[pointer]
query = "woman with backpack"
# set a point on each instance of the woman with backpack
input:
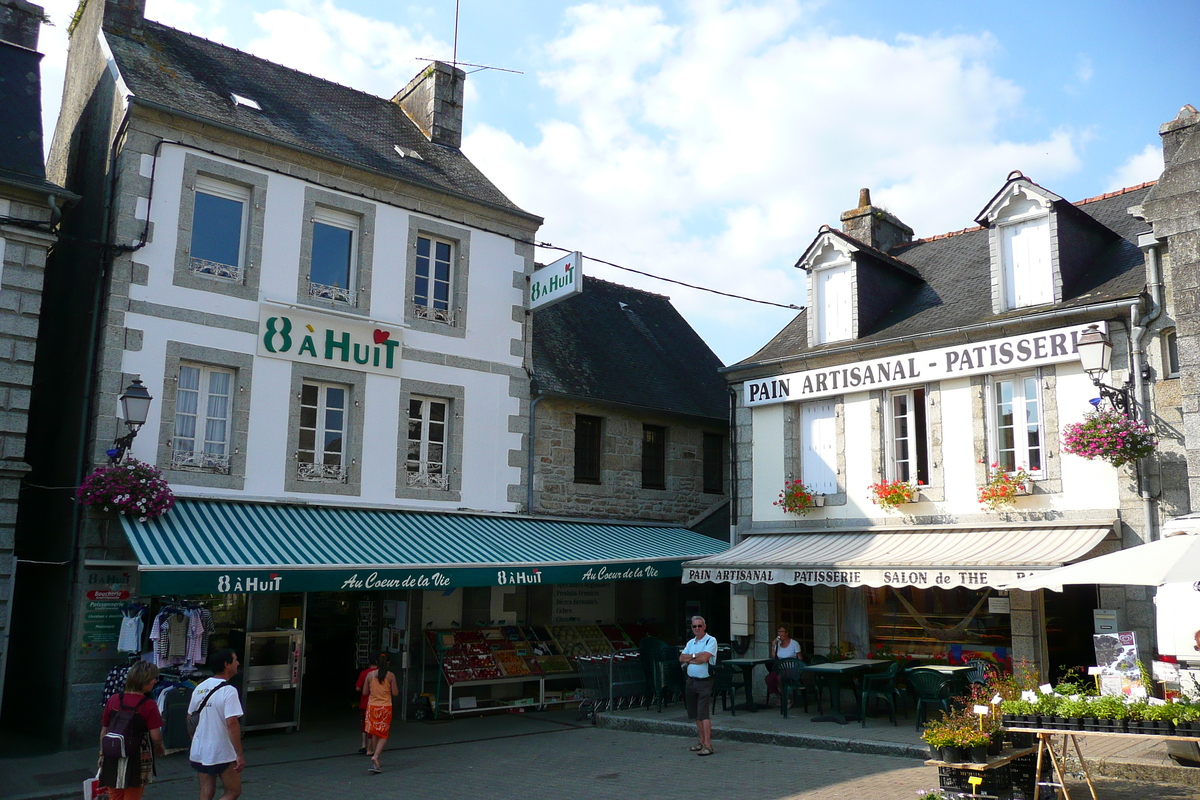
(380, 687)
(130, 735)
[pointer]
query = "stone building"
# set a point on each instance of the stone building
(948, 365)
(631, 416)
(30, 207)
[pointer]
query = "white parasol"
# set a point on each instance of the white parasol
(1175, 558)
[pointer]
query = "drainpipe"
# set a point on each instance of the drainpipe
(1141, 390)
(733, 468)
(535, 398)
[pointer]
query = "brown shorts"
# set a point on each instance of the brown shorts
(697, 697)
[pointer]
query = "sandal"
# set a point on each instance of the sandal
(705, 751)
(696, 748)
(374, 770)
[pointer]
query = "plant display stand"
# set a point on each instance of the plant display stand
(997, 774)
(1045, 747)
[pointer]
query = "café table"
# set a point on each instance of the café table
(747, 665)
(837, 673)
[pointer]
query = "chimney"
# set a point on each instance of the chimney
(873, 226)
(1174, 132)
(434, 101)
(124, 14)
(20, 23)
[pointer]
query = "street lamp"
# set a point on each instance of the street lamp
(1095, 354)
(135, 408)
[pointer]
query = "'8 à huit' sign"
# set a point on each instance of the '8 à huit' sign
(313, 338)
(907, 369)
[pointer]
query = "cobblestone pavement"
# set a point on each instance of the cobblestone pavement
(574, 762)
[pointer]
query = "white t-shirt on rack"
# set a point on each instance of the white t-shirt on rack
(211, 744)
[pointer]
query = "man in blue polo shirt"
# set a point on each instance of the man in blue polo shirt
(697, 658)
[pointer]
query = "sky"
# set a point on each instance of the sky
(707, 141)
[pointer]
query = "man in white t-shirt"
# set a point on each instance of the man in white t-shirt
(698, 657)
(217, 743)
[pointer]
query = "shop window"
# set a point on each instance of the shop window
(331, 273)
(432, 289)
(818, 446)
(203, 412)
(1016, 424)
(654, 457)
(587, 448)
(220, 214)
(895, 628)
(425, 466)
(714, 463)
(321, 454)
(1170, 353)
(907, 437)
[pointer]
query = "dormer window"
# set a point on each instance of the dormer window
(1023, 224)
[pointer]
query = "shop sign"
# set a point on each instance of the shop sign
(183, 581)
(995, 355)
(556, 282)
(584, 602)
(108, 592)
(314, 338)
(920, 577)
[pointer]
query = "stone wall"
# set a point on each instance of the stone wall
(23, 253)
(620, 495)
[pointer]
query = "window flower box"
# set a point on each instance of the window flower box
(796, 498)
(1002, 487)
(892, 494)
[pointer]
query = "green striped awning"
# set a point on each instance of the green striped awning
(206, 547)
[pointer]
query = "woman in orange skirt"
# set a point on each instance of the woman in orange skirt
(379, 687)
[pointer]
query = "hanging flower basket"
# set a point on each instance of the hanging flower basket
(891, 494)
(1002, 488)
(132, 487)
(1110, 436)
(796, 498)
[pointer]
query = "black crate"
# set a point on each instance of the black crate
(996, 782)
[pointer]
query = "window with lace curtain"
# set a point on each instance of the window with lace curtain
(203, 410)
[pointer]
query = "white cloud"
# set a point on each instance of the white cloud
(711, 149)
(324, 39)
(1138, 168)
(1083, 68)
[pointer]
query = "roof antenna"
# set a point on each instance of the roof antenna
(454, 62)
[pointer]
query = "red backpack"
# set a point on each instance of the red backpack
(126, 728)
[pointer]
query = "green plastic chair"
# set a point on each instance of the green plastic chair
(932, 689)
(792, 681)
(727, 680)
(881, 686)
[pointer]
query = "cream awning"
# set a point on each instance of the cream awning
(943, 556)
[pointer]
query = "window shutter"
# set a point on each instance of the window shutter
(818, 443)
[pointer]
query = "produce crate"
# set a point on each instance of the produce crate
(997, 782)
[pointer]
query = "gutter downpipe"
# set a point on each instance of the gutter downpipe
(1140, 325)
(536, 397)
(733, 468)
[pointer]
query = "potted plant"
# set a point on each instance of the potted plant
(892, 494)
(1110, 436)
(1002, 487)
(131, 487)
(1187, 721)
(1072, 710)
(1046, 708)
(1161, 719)
(796, 498)
(976, 743)
(937, 735)
(1111, 713)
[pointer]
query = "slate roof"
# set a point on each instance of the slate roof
(21, 119)
(956, 288)
(621, 345)
(196, 76)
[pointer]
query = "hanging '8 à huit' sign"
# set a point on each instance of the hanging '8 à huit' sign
(333, 341)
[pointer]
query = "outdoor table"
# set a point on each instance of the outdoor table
(836, 672)
(870, 662)
(1044, 748)
(747, 665)
(957, 674)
